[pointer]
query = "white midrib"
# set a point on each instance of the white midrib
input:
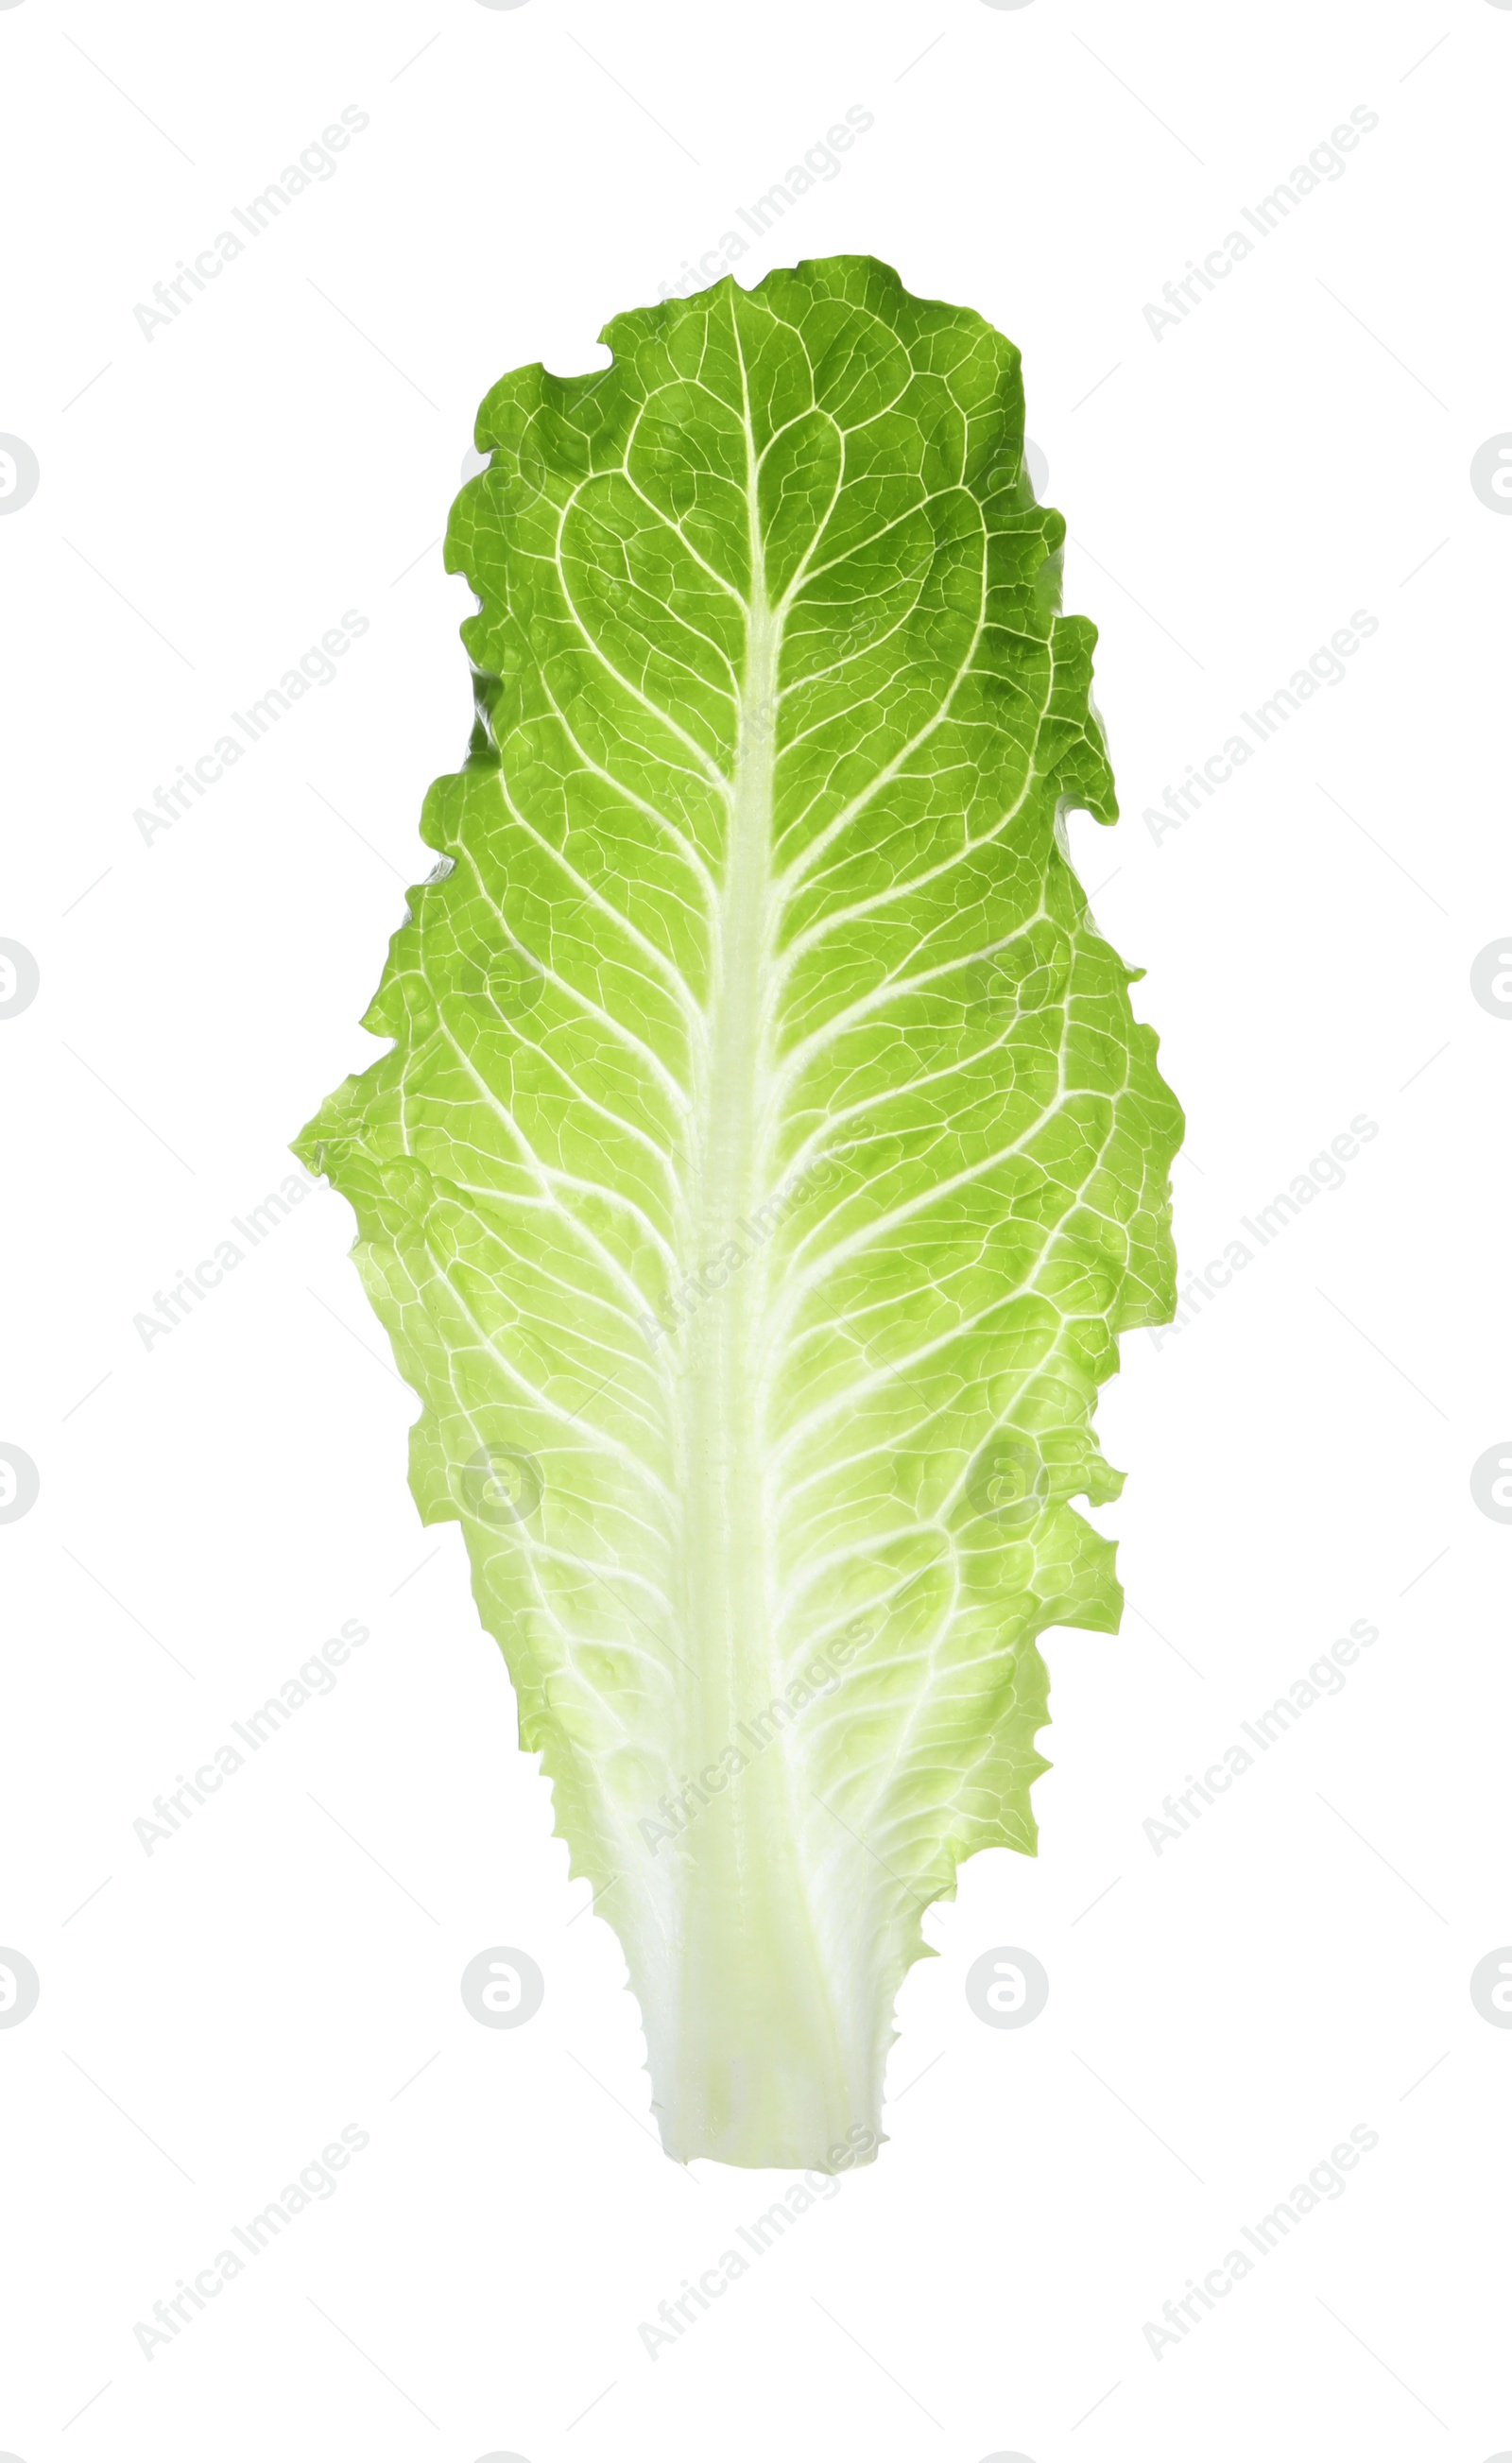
(728, 1540)
(730, 1642)
(758, 2061)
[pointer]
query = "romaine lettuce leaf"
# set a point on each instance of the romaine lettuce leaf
(768, 1157)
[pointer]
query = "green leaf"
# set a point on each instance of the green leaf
(768, 1157)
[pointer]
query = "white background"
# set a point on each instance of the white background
(1220, 2014)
